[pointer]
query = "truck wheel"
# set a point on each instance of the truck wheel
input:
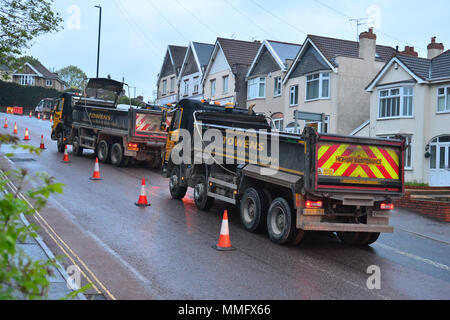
(60, 142)
(368, 238)
(103, 151)
(350, 238)
(253, 209)
(176, 190)
(117, 156)
(76, 148)
(281, 223)
(202, 201)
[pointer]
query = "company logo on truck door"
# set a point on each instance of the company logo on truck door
(358, 161)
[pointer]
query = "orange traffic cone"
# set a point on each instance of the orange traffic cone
(224, 239)
(6, 123)
(39, 116)
(15, 128)
(66, 156)
(142, 202)
(51, 118)
(96, 175)
(27, 136)
(44, 118)
(42, 146)
(31, 114)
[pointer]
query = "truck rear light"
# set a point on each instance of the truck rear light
(387, 206)
(133, 146)
(314, 204)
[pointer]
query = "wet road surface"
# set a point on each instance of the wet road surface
(164, 251)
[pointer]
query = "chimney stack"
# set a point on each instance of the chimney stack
(367, 45)
(434, 48)
(409, 51)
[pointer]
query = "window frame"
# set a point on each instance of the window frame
(320, 79)
(225, 80)
(172, 84)
(277, 85)
(260, 81)
(446, 96)
(401, 107)
(49, 83)
(213, 93)
(196, 85)
(185, 87)
(164, 87)
(278, 121)
(290, 95)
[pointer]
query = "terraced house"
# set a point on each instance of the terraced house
(194, 65)
(411, 97)
(168, 77)
(265, 77)
(225, 76)
(329, 77)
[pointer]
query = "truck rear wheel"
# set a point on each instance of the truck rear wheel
(281, 223)
(202, 201)
(76, 148)
(350, 238)
(60, 142)
(368, 238)
(117, 156)
(176, 190)
(253, 209)
(103, 151)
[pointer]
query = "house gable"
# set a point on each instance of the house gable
(190, 65)
(395, 75)
(311, 61)
(219, 63)
(167, 68)
(265, 63)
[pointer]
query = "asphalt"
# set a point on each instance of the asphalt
(164, 251)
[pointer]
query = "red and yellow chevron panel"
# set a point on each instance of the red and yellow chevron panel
(358, 161)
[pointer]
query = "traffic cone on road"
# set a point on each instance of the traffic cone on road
(44, 118)
(31, 114)
(15, 128)
(6, 123)
(66, 156)
(96, 175)
(51, 118)
(42, 146)
(142, 202)
(224, 239)
(27, 136)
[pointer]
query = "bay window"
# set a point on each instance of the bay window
(318, 86)
(27, 80)
(256, 88)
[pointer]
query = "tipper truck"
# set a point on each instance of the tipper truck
(321, 182)
(92, 121)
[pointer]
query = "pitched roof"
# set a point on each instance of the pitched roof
(284, 50)
(203, 51)
(45, 72)
(177, 53)
(331, 48)
(239, 51)
(440, 66)
(420, 66)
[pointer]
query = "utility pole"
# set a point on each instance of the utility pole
(99, 37)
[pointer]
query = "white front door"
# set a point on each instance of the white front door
(440, 162)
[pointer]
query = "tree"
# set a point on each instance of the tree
(74, 76)
(20, 22)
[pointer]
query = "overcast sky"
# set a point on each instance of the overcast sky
(136, 33)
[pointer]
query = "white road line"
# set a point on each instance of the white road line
(413, 256)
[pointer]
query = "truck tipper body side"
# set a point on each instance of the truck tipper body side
(116, 135)
(294, 183)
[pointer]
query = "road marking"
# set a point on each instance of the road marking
(44, 224)
(413, 256)
(424, 236)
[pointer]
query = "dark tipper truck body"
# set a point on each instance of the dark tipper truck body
(117, 136)
(323, 182)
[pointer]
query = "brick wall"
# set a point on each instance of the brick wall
(435, 209)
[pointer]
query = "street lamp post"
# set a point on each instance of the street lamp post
(99, 37)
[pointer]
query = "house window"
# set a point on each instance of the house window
(293, 96)
(186, 87)
(27, 80)
(213, 88)
(408, 151)
(225, 84)
(256, 88)
(278, 124)
(277, 87)
(321, 127)
(172, 84)
(443, 99)
(318, 86)
(396, 102)
(49, 83)
(164, 87)
(196, 84)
